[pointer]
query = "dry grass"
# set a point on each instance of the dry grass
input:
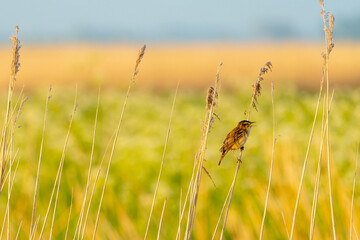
(194, 198)
(93, 64)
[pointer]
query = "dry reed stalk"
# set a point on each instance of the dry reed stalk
(318, 171)
(132, 82)
(221, 213)
(283, 218)
(39, 163)
(272, 160)
(188, 195)
(58, 175)
(212, 103)
(6, 215)
(307, 156)
(62, 165)
(161, 219)
(7, 130)
(36, 224)
(94, 186)
(356, 235)
(68, 222)
(328, 21)
(353, 193)
(253, 104)
(185, 203)
(178, 233)
(81, 217)
(18, 231)
(162, 161)
(6, 141)
(317, 180)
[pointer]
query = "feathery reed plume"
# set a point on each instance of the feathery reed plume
(116, 133)
(272, 160)
(194, 185)
(5, 142)
(162, 161)
(328, 29)
(328, 21)
(257, 86)
(253, 104)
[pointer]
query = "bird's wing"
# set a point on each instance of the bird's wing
(232, 138)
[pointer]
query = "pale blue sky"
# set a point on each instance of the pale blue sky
(174, 21)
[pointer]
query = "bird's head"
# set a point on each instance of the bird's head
(246, 124)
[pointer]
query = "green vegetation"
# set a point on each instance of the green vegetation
(138, 153)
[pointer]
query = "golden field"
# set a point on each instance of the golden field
(138, 152)
(193, 65)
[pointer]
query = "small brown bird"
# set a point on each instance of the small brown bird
(236, 138)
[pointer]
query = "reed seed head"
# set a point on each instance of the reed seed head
(257, 85)
(211, 97)
(140, 56)
(15, 64)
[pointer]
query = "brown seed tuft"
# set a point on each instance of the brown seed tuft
(211, 97)
(140, 56)
(257, 85)
(15, 65)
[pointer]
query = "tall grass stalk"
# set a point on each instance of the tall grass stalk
(161, 219)
(318, 175)
(162, 161)
(328, 21)
(353, 193)
(212, 102)
(18, 231)
(58, 175)
(285, 225)
(132, 82)
(68, 221)
(220, 216)
(182, 209)
(272, 160)
(39, 163)
(81, 217)
(325, 76)
(62, 165)
(7, 131)
(6, 215)
(94, 187)
(253, 104)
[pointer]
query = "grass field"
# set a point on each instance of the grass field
(88, 115)
(138, 154)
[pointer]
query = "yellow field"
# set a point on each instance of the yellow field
(194, 65)
(133, 173)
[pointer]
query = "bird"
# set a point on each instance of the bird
(236, 138)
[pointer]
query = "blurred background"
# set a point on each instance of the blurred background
(95, 43)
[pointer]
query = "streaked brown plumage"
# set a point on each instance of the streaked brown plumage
(236, 138)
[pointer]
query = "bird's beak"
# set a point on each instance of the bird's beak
(252, 124)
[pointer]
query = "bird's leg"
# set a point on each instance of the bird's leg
(236, 156)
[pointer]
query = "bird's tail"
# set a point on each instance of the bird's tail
(222, 156)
